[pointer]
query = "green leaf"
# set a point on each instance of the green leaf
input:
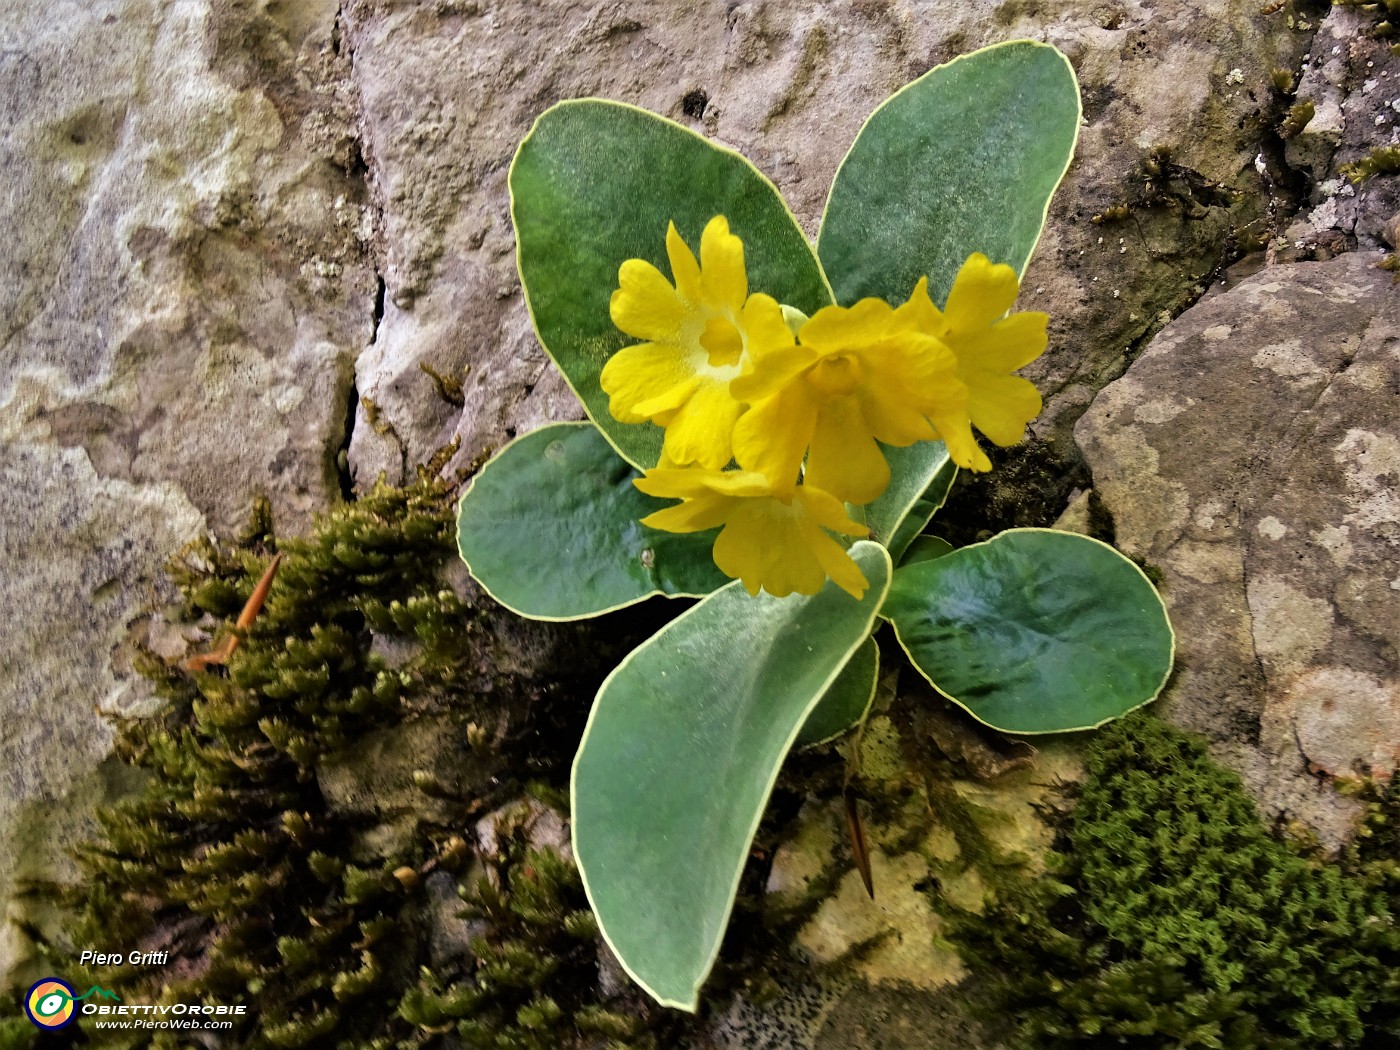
(846, 700)
(550, 527)
(679, 757)
(964, 159)
(593, 184)
(1035, 631)
(915, 518)
(925, 548)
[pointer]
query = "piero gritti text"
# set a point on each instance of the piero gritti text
(90, 958)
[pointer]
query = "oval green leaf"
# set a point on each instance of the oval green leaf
(1035, 631)
(846, 700)
(550, 527)
(965, 159)
(595, 183)
(679, 758)
(962, 160)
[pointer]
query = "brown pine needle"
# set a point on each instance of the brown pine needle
(856, 830)
(220, 653)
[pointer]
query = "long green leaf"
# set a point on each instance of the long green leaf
(1035, 631)
(593, 184)
(907, 523)
(846, 701)
(550, 527)
(679, 757)
(964, 159)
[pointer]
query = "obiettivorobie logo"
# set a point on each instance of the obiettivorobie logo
(50, 1003)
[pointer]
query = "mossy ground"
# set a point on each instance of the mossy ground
(268, 893)
(1173, 918)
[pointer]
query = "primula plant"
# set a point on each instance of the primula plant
(772, 427)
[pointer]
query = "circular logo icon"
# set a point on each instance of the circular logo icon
(49, 1003)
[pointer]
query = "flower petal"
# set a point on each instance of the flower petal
(672, 482)
(694, 515)
(835, 562)
(829, 512)
(844, 459)
(771, 370)
(982, 291)
(767, 544)
(908, 377)
(772, 436)
(645, 306)
(919, 312)
(764, 325)
(723, 283)
(834, 329)
(1001, 406)
(647, 379)
(1013, 342)
(684, 268)
(955, 430)
(702, 430)
(737, 483)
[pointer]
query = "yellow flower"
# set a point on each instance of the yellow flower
(772, 536)
(859, 375)
(988, 347)
(697, 334)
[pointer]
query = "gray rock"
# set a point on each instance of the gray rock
(377, 780)
(187, 286)
(450, 935)
(1252, 454)
(80, 553)
(543, 827)
(1353, 81)
(185, 289)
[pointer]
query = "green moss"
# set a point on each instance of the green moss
(448, 388)
(511, 999)
(1173, 918)
(1299, 115)
(264, 893)
(16, 1033)
(1382, 161)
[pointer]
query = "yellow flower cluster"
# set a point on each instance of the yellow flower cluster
(802, 405)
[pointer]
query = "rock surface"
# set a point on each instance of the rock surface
(1252, 453)
(185, 290)
(80, 555)
(1352, 80)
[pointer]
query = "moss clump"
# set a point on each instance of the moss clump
(1173, 918)
(538, 923)
(1382, 161)
(16, 1033)
(1300, 114)
(315, 914)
